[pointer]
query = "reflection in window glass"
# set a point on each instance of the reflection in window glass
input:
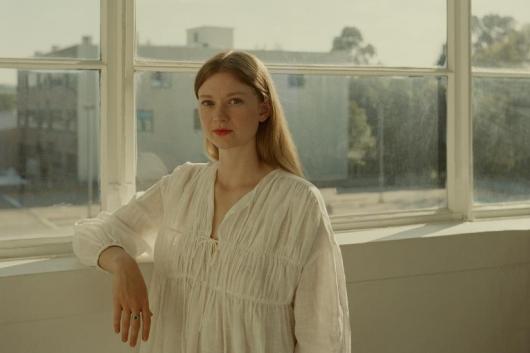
(501, 34)
(328, 32)
(296, 80)
(144, 121)
(51, 28)
(49, 151)
(501, 147)
(381, 140)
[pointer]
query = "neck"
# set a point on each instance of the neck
(240, 174)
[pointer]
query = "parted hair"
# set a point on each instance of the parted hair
(274, 143)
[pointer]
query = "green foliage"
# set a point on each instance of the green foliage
(498, 43)
(362, 142)
(399, 124)
(402, 134)
(501, 127)
(351, 40)
(501, 107)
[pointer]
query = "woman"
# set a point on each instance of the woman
(245, 259)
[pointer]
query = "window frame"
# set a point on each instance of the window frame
(118, 137)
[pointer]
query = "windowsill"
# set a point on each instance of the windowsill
(415, 231)
(23, 267)
(70, 263)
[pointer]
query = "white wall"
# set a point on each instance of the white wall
(466, 293)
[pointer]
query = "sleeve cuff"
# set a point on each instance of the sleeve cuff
(105, 247)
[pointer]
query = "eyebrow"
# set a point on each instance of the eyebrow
(228, 95)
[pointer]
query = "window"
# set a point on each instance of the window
(144, 121)
(31, 79)
(22, 119)
(501, 105)
(403, 137)
(74, 20)
(71, 120)
(196, 120)
(296, 81)
(369, 126)
(50, 164)
(348, 32)
(159, 80)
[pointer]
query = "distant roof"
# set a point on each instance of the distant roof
(210, 27)
(187, 53)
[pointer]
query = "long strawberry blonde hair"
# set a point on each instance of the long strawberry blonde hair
(274, 143)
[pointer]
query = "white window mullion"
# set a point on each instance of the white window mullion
(117, 173)
(129, 107)
(104, 177)
(450, 135)
(459, 116)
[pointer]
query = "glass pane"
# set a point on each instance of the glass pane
(501, 147)
(382, 32)
(501, 34)
(167, 124)
(51, 28)
(383, 138)
(49, 151)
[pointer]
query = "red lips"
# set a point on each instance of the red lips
(222, 132)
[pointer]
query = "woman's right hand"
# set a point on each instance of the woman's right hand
(129, 295)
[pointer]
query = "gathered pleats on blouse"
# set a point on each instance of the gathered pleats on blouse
(273, 282)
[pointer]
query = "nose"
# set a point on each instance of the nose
(219, 113)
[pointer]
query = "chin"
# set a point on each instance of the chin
(222, 144)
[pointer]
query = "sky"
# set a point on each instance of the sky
(395, 28)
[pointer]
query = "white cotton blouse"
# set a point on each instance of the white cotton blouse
(273, 282)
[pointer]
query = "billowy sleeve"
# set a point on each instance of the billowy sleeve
(128, 227)
(322, 322)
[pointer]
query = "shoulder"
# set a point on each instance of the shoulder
(307, 215)
(186, 172)
(299, 191)
(189, 168)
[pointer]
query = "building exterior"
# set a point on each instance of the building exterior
(57, 113)
(8, 128)
(58, 121)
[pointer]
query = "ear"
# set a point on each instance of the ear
(265, 110)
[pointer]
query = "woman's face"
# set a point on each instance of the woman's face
(226, 103)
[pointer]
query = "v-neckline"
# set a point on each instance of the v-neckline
(243, 200)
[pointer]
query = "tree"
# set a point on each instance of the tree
(498, 43)
(362, 142)
(402, 111)
(351, 40)
(500, 106)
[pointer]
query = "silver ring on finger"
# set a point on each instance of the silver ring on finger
(136, 316)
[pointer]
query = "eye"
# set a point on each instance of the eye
(236, 100)
(206, 103)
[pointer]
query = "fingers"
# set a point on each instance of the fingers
(116, 317)
(135, 327)
(146, 318)
(127, 298)
(126, 319)
(131, 327)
